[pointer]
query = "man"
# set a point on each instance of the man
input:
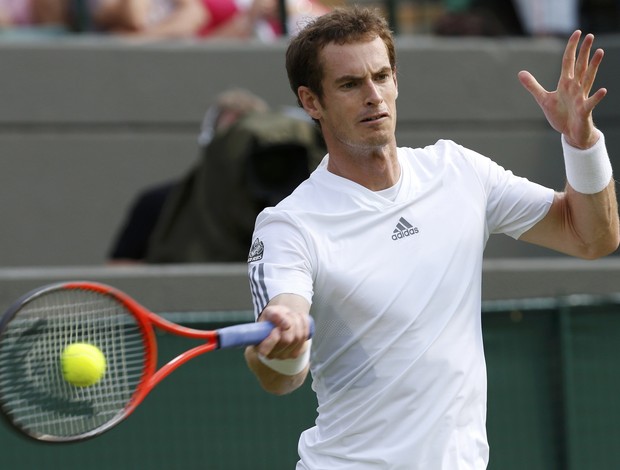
(386, 244)
(143, 222)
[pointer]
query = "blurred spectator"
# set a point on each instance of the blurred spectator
(535, 18)
(241, 19)
(131, 241)
(251, 158)
(600, 16)
(478, 18)
(548, 17)
(157, 18)
(198, 18)
(210, 215)
(33, 13)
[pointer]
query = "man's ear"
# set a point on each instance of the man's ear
(310, 102)
(395, 81)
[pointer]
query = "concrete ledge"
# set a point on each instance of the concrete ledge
(549, 277)
(170, 288)
(224, 287)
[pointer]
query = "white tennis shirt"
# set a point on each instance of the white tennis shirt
(395, 286)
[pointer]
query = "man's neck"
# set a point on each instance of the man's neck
(375, 170)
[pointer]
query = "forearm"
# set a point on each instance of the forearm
(271, 380)
(591, 197)
(593, 221)
(583, 220)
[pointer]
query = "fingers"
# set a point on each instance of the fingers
(568, 109)
(583, 69)
(288, 338)
(568, 59)
(590, 74)
(578, 72)
(586, 69)
(595, 99)
(581, 66)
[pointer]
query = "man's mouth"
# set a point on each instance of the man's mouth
(374, 117)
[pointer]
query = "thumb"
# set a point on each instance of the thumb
(531, 84)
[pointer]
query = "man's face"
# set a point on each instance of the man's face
(358, 106)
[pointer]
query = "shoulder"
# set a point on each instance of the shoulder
(308, 195)
(436, 158)
(287, 211)
(443, 154)
(444, 149)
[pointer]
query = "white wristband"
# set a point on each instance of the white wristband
(587, 171)
(288, 366)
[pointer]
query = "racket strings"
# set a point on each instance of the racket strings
(32, 388)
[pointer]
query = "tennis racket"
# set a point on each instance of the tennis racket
(39, 402)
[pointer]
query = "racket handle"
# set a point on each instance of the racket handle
(248, 334)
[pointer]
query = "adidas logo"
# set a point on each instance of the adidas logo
(403, 229)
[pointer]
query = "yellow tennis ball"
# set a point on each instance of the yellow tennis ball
(82, 364)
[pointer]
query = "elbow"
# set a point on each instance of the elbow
(604, 246)
(277, 388)
(610, 247)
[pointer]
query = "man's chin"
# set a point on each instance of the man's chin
(379, 140)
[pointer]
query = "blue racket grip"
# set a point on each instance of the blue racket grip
(248, 334)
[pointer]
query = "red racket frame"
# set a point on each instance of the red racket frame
(146, 321)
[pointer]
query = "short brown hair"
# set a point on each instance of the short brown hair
(340, 26)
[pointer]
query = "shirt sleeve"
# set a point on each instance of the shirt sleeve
(279, 261)
(514, 204)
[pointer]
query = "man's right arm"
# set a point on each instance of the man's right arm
(281, 361)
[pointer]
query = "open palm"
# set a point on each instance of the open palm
(569, 108)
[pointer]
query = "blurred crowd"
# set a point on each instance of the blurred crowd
(534, 18)
(159, 18)
(270, 19)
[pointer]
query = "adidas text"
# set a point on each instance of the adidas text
(405, 233)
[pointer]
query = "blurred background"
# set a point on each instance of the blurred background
(102, 99)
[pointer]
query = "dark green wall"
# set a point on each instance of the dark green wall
(553, 386)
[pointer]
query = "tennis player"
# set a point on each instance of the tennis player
(383, 245)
